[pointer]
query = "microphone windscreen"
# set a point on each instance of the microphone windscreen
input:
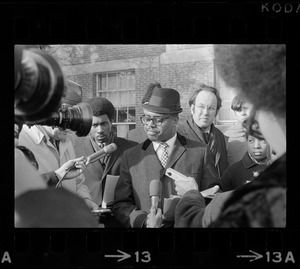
(155, 187)
(110, 148)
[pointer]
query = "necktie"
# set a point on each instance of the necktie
(164, 155)
(206, 137)
(102, 160)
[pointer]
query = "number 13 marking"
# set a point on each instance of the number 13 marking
(146, 256)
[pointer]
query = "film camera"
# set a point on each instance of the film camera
(40, 87)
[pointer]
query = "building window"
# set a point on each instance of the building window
(119, 88)
(226, 114)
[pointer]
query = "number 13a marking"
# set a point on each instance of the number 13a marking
(145, 256)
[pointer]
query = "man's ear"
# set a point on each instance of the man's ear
(192, 109)
(176, 119)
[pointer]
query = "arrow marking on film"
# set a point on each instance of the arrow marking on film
(256, 256)
(123, 256)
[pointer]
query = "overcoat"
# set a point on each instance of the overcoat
(95, 174)
(140, 165)
(241, 172)
(50, 158)
(217, 142)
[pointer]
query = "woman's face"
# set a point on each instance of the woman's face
(244, 113)
(274, 131)
(258, 148)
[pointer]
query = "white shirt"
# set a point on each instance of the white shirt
(170, 143)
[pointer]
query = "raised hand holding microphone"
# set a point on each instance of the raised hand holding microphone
(102, 152)
(64, 171)
(154, 218)
(74, 168)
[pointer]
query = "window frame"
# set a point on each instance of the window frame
(99, 91)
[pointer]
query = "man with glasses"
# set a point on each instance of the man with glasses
(205, 104)
(163, 149)
(138, 134)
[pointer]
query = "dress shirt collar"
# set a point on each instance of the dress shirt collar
(36, 134)
(170, 142)
(96, 145)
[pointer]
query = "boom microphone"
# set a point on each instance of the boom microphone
(103, 152)
(155, 191)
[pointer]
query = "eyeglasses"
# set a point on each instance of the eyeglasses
(156, 120)
(252, 126)
(209, 108)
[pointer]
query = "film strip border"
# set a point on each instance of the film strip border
(191, 248)
(165, 22)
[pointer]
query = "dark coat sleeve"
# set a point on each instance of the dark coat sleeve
(226, 180)
(124, 208)
(214, 208)
(190, 210)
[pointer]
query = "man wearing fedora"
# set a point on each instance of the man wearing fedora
(164, 148)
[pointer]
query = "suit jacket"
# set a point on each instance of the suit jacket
(95, 174)
(217, 142)
(140, 165)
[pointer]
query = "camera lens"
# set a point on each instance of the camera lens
(39, 84)
(77, 118)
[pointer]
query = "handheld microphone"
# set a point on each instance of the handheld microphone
(155, 192)
(93, 157)
(102, 152)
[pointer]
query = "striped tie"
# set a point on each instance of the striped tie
(164, 155)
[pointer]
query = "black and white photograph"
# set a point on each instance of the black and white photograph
(150, 136)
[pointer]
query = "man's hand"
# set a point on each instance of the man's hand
(184, 185)
(154, 218)
(80, 165)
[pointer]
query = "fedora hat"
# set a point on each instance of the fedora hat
(163, 101)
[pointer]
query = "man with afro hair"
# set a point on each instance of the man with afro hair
(101, 135)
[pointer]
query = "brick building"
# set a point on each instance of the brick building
(122, 73)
